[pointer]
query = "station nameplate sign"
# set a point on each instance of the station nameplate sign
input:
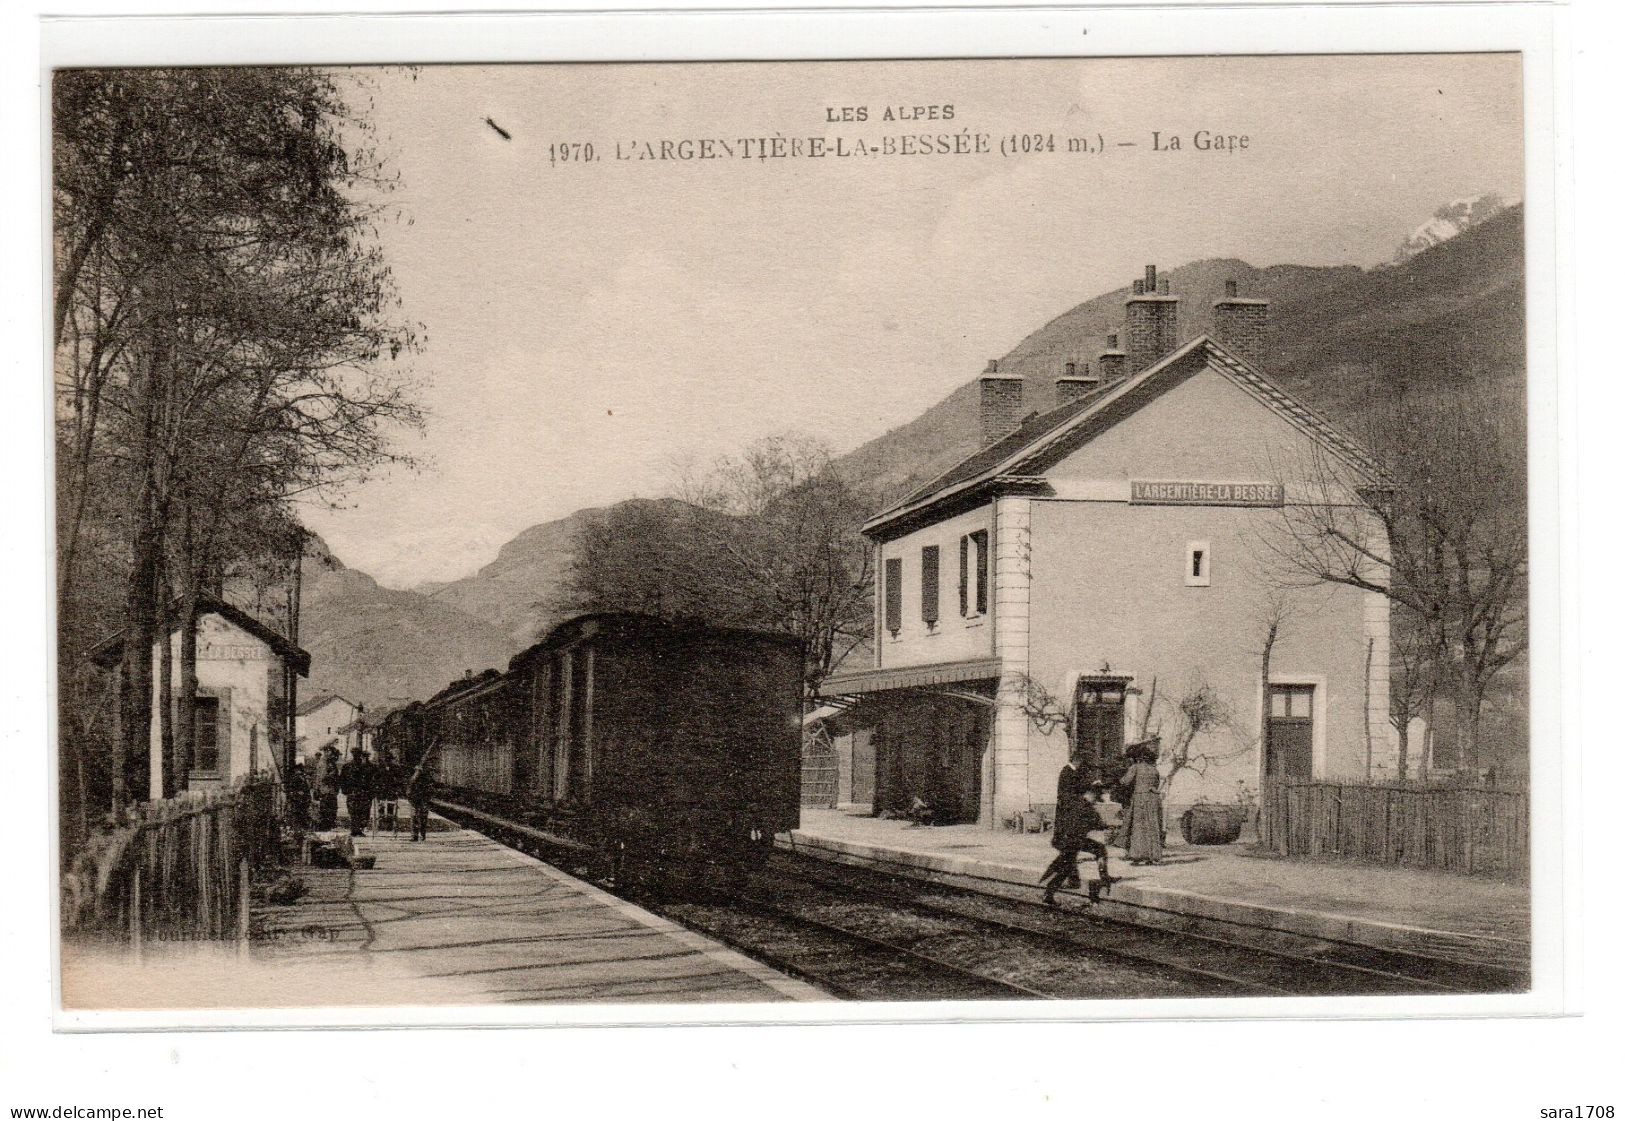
(1144, 492)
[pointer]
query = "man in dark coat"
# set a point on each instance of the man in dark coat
(420, 791)
(1075, 818)
(327, 788)
(297, 793)
(357, 780)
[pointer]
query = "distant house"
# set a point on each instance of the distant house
(323, 720)
(358, 734)
(1104, 556)
(246, 674)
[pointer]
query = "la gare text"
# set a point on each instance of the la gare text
(1202, 140)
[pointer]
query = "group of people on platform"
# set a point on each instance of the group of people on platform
(313, 792)
(1077, 818)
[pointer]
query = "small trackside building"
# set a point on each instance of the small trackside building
(1094, 571)
(247, 680)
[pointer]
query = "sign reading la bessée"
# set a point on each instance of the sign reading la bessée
(1145, 492)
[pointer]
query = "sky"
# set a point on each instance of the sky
(590, 325)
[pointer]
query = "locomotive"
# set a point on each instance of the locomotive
(670, 749)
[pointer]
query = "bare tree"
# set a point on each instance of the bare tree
(1184, 727)
(789, 542)
(1043, 709)
(1412, 678)
(1277, 609)
(1439, 527)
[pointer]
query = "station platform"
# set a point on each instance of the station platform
(460, 919)
(1219, 889)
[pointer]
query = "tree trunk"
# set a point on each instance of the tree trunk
(186, 701)
(1403, 727)
(141, 596)
(166, 693)
(1475, 723)
(1429, 709)
(83, 789)
(1370, 649)
(1270, 635)
(290, 691)
(132, 768)
(1468, 703)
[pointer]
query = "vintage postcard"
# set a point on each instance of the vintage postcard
(629, 540)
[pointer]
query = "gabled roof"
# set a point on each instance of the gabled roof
(1044, 438)
(108, 651)
(318, 701)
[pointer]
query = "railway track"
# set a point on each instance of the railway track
(869, 934)
(1032, 961)
(1298, 967)
(842, 960)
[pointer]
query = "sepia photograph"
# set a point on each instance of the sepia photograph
(958, 533)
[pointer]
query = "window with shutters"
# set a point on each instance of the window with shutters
(973, 574)
(929, 566)
(894, 595)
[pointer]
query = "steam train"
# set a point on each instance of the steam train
(669, 749)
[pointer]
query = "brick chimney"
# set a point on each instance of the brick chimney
(1241, 326)
(1112, 363)
(1151, 321)
(1001, 403)
(1074, 383)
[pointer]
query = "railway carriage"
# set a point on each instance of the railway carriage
(399, 737)
(472, 729)
(669, 748)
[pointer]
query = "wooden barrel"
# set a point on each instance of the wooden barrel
(1210, 825)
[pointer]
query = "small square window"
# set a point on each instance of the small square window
(1198, 564)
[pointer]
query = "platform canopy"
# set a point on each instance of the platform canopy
(910, 677)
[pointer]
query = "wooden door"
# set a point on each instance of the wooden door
(1291, 752)
(973, 742)
(1100, 729)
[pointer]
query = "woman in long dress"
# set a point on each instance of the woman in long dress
(1140, 782)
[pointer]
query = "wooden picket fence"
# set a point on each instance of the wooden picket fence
(820, 770)
(1470, 829)
(175, 869)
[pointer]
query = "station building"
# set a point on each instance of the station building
(1093, 568)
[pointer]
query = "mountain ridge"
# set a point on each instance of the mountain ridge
(1337, 333)
(383, 646)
